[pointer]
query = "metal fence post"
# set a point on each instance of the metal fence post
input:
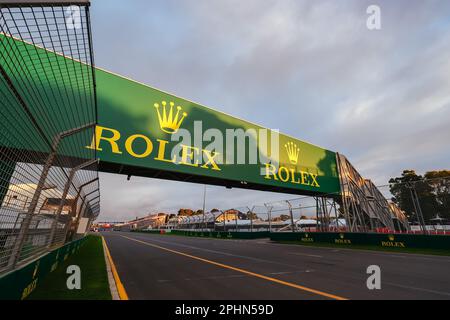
(269, 214)
(78, 215)
(293, 226)
(251, 217)
(81, 212)
(417, 207)
(203, 209)
(15, 256)
(64, 195)
(24, 226)
(80, 189)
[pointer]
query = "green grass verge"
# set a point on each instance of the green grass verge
(438, 252)
(94, 279)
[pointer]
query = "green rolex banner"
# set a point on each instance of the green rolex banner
(143, 128)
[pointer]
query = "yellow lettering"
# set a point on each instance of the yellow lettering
(296, 181)
(314, 182)
(280, 174)
(211, 160)
(95, 145)
(162, 151)
(270, 171)
(129, 146)
(304, 176)
(187, 155)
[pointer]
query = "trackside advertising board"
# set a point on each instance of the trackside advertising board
(144, 128)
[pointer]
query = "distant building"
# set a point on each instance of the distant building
(185, 212)
(151, 221)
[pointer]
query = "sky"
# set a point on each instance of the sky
(309, 68)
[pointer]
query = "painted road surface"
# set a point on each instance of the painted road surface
(173, 267)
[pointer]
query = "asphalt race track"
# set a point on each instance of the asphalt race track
(174, 267)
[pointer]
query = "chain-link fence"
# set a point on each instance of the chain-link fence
(421, 206)
(49, 188)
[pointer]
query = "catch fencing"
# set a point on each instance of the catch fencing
(49, 187)
(411, 207)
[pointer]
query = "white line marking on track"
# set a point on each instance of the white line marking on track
(305, 254)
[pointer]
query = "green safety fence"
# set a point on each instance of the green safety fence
(440, 242)
(6, 171)
(212, 234)
(18, 284)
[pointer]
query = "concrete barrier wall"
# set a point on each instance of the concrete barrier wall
(439, 242)
(18, 284)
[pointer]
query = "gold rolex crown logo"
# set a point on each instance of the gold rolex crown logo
(168, 121)
(391, 237)
(293, 151)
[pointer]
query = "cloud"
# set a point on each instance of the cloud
(309, 68)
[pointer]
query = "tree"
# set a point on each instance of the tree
(251, 216)
(439, 181)
(433, 194)
(402, 194)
